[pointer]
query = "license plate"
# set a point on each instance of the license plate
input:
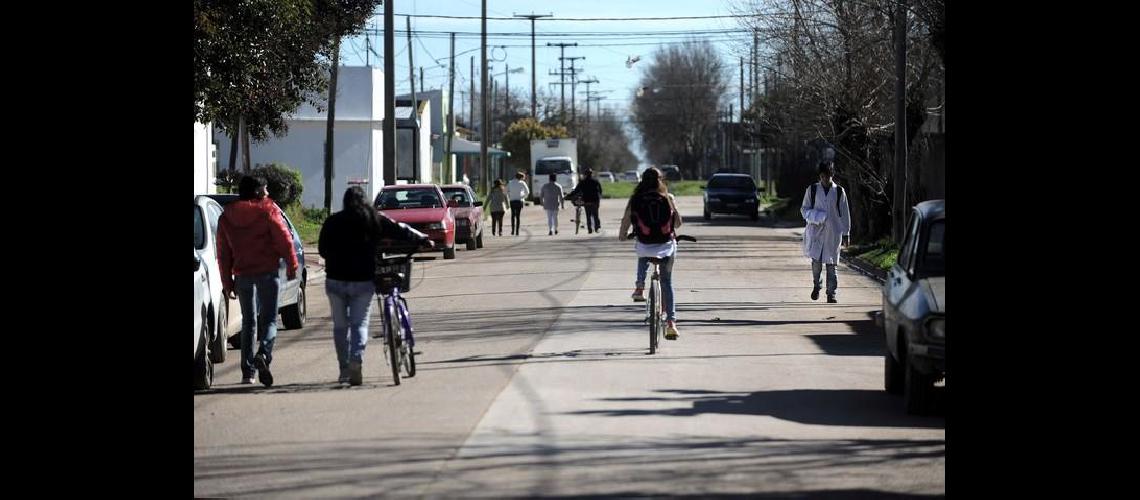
(732, 205)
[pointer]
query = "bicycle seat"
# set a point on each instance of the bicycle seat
(655, 260)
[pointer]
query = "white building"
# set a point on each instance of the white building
(205, 160)
(358, 140)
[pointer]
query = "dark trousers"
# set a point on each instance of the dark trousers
(497, 222)
(516, 212)
(593, 223)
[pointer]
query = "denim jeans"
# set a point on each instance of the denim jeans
(832, 278)
(257, 296)
(350, 302)
(666, 283)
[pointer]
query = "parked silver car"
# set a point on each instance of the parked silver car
(291, 298)
(914, 309)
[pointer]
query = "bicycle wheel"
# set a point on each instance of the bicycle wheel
(390, 343)
(653, 326)
(407, 353)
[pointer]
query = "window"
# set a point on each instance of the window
(904, 258)
(934, 252)
(407, 198)
(731, 182)
(547, 167)
(458, 194)
(199, 229)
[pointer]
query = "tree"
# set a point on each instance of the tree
(518, 137)
(828, 69)
(255, 61)
(675, 108)
(604, 145)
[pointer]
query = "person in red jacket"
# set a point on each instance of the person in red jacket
(252, 240)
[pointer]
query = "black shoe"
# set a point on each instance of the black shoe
(550, 233)
(263, 373)
(831, 299)
(814, 294)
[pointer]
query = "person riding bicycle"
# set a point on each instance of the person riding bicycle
(653, 214)
(590, 191)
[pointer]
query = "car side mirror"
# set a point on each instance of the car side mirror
(452, 203)
(478, 204)
(197, 262)
(703, 188)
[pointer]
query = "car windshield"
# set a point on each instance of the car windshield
(408, 198)
(731, 182)
(459, 195)
(547, 167)
(933, 261)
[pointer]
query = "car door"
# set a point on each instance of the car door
(290, 288)
(899, 285)
(210, 253)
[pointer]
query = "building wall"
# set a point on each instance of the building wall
(204, 173)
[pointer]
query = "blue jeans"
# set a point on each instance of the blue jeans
(257, 296)
(666, 283)
(350, 302)
(832, 278)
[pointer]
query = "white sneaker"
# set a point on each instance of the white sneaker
(246, 380)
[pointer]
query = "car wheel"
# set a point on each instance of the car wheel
(755, 215)
(916, 393)
(218, 339)
(472, 244)
(293, 316)
(449, 252)
(893, 374)
(203, 367)
(479, 241)
(708, 215)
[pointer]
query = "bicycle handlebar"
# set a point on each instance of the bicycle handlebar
(679, 237)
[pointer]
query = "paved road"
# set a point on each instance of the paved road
(535, 380)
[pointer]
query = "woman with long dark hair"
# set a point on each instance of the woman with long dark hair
(653, 214)
(348, 243)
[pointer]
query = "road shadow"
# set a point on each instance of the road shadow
(841, 407)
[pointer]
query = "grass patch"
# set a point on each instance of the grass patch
(308, 222)
(622, 189)
(881, 254)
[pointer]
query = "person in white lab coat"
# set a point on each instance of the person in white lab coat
(828, 228)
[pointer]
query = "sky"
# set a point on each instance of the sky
(606, 61)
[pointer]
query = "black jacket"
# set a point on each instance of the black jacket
(349, 246)
(590, 190)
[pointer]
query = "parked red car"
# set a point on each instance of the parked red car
(423, 207)
(468, 215)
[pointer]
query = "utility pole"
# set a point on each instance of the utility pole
(562, 73)
(898, 218)
(742, 89)
(486, 136)
(422, 87)
(389, 93)
(449, 176)
(592, 79)
(471, 97)
(415, 115)
(533, 66)
(573, 89)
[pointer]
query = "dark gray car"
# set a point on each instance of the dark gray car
(731, 194)
(291, 298)
(914, 309)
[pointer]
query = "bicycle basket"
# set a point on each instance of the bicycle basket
(394, 272)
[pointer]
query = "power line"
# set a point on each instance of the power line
(667, 18)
